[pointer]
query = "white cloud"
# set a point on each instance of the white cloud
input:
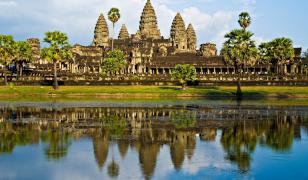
(7, 3)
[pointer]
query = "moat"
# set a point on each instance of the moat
(153, 139)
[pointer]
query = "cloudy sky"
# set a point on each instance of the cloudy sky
(211, 18)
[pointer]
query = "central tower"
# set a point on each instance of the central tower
(148, 22)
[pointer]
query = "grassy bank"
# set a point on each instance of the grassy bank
(148, 91)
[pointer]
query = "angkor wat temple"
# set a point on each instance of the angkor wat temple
(151, 57)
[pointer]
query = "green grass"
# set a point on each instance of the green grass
(155, 90)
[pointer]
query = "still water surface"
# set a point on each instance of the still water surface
(154, 139)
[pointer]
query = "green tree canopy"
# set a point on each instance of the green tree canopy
(278, 51)
(22, 53)
(6, 49)
(59, 49)
(184, 73)
(240, 50)
(114, 61)
(244, 20)
(114, 15)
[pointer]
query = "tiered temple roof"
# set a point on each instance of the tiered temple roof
(191, 38)
(123, 33)
(148, 23)
(101, 33)
(178, 33)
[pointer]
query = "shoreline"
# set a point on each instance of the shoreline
(253, 92)
(154, 95)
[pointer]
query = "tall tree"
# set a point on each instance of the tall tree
(277, 52)
(59, 49)
(6, 52)
(113, 16)
(240, 50)
(244, 20)
(184, 73)
(22, 54)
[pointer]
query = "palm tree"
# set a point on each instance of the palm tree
(58, 49)
(278, 52)
(239, 51)
(23, 53)
(6, 52)
(244, 20)
(113, 16)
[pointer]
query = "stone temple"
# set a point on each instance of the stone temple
(150, 56)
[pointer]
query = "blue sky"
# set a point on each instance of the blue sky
(211, 18)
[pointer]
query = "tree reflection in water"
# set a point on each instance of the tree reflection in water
(239, 142)
(146, 132)
(113, 169)
(57, 143)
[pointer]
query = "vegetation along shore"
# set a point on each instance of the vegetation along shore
(156, 91)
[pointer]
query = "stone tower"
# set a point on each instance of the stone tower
(191, 38)
(148, 23)
(178, 33)
(208, 50)
(101, 32)
(123, 33)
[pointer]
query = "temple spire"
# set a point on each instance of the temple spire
(178, 33)
(101, 32)
(123, 33)
(191, 38)
(148, 22)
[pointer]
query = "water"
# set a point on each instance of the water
(153, 139)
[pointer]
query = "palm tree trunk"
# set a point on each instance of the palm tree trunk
(239, 93)
(21, 70)
(17, 70)
(55, 78)
(112, 36)
(4, 74)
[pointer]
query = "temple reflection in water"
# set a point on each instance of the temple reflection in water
(146, 131)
